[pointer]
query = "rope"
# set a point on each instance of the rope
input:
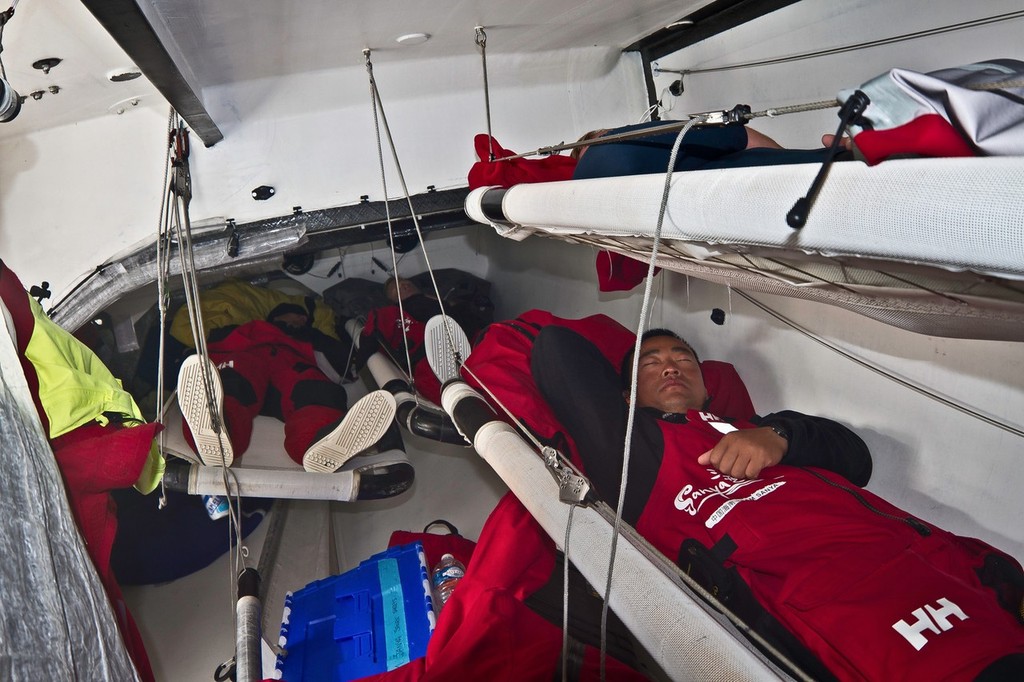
(1009, 428)
(565, 597)
(179, 195)
(481, 41)
(735, 116)
(855, 46)
(161, 249)
(644, 311)
(378, 104)
(374, 103)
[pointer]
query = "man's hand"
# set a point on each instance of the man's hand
(744, 453)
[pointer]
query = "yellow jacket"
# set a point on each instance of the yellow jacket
(76, 388)
(237, 302)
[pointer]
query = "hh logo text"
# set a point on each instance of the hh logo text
(928, 618)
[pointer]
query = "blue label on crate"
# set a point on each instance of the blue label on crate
(396, 639)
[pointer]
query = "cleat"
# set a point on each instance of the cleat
(211, 442)
(362, 427)
(446, 345)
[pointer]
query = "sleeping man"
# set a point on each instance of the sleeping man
(844, 583)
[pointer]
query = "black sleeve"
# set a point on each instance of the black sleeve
(584, 392)
(821, 442)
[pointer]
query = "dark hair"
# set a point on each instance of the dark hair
(627, 362)
(285, 309)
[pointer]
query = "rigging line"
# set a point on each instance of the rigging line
(911, 283)
(375, 103)
(823, 280)
(644, 308)
(161, 275)
(181, 186)
(524, 431)
(723, 118)
(481, 41)
(917, 388)
(565, 595)
(853, 47)
(446, 321)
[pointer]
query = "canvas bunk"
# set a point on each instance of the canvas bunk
(929, 245)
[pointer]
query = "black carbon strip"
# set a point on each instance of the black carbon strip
(471, 414)
(490, 204)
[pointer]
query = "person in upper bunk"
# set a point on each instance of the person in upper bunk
(704, 147)
(841, 581)
(279, 354)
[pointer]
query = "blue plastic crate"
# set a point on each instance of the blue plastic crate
(371, 619)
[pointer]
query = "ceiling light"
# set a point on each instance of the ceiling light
(679, 24)
(413, 39)
(122, 75)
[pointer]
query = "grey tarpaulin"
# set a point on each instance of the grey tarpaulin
(991, 120)
(56, 622)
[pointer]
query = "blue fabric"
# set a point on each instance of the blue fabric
(158, 545)
(702, 148)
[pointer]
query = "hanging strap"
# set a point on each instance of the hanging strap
(481, 42)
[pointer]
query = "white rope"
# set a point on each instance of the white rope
(854, 47)
(481, 42)
(644, 308)
(374, 105)
(378, 104)
(179, 191)
(163, 248)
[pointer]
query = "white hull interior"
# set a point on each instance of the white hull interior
(78, 194)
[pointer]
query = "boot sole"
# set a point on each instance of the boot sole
(360, 430)
(213, 447)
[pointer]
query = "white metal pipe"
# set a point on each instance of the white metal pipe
(342, 486)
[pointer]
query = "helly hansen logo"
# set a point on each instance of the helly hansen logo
(929, 619)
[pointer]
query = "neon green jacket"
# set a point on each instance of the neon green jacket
(76, 388)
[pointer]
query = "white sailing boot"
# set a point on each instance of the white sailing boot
(364, 424)
(208, 429)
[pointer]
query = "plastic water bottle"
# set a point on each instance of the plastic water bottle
(446, 576)
(216, 506)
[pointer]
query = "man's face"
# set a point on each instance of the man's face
(403, 289)
(291, 320)
(669, 377)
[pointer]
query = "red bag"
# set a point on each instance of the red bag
(436, 544)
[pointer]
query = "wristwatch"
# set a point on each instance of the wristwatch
(781, 430)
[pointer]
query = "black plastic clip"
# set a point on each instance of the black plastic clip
(40, 292)
(849, 113)
(232, 239)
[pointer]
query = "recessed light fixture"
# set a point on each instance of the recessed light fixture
(412, 39)
(122, 75)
